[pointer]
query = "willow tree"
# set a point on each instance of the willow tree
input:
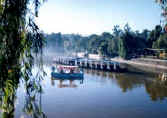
(20, 41)
(163, 5)
(20, 37)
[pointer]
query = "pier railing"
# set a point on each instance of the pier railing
(106, 65)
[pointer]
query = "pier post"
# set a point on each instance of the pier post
(95, 65)
(75, 62)
(115, 66)
(85, 64)
(80, 64)
(108, 66)
(88, 65)
(101, 65)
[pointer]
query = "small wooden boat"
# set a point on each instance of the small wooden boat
(67, 72)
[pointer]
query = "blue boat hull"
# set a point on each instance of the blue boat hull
(67, 75)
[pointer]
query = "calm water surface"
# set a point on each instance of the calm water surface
(101, 95)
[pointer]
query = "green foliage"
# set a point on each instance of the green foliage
(163, 5)
(20, 41)
(123, 49)
(157, 38)
(131, 42)
(20, 37)
(103, 48)
(154, 35)
(161, 43)
(124, 43)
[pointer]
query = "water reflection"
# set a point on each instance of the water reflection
(97, 85)
(154, 86)
(33, 100)
(71, 82)
(156, 89)
(8, 98)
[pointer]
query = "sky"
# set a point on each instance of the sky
(96, 16)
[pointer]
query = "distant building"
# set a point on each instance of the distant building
(86, 55)
(81, 54)
(94, 56)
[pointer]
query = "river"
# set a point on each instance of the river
(100, 95)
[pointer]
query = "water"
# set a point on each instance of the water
(101, 95)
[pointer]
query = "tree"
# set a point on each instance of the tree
(117, 31)
(103, 48)
(154, 35)
(161, 43)
(20, 37)
(123, 49)
(20, 41)
(127, 28)
(113, 44)
(163, 5)
(145, 34)
(94, 43)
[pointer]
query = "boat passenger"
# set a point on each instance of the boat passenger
(71, 70)
(61, 71)
(53, 69)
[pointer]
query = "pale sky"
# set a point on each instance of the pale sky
(97, 16)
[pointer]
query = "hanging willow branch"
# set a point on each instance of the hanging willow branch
(20, 37)
(163, 5)
(20, 41)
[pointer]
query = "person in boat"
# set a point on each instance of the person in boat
(61, 71)
(71, 70)
(53, 69)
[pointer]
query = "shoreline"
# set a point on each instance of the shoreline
(141, 62)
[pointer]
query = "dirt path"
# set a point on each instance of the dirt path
(131, 62)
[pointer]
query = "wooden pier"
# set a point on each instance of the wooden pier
(164, 77)
(105, 65)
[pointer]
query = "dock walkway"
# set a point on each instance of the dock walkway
(106, 65)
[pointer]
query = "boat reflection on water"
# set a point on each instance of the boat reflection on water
(61, 83)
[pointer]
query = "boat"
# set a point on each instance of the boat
(67, 72)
